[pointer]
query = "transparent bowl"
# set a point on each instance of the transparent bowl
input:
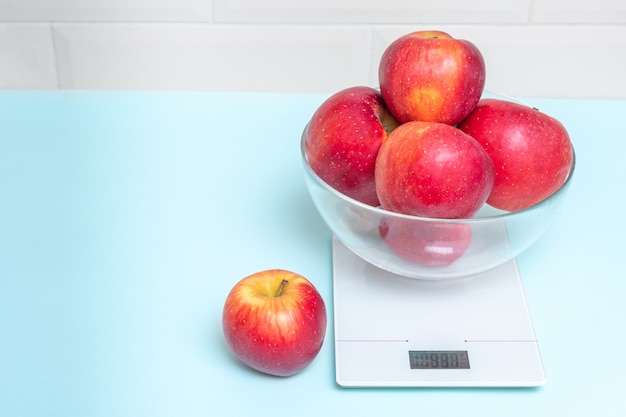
(426, 248)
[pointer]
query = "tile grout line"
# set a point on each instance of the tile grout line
(55, 63)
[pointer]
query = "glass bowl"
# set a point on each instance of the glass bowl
(427, 248)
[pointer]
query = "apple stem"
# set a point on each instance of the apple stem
(281, 287)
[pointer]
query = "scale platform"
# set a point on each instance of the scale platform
(392, 331)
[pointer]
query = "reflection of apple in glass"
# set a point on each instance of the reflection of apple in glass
(428, 243)
(432, 170)
(360, 222)
(431, 76)
(531, 151)
(342, 140)
(275, 322)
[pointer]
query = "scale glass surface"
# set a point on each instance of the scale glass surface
(392, 331)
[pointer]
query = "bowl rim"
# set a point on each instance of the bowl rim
(382, 212)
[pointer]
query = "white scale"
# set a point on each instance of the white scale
(392, 331)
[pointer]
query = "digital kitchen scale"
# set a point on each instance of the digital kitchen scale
(393, 331)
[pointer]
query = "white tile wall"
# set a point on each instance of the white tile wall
(574, 48)
(579, 11)
(106, 10)
(253, 58)
(27, 56)
(372, 11)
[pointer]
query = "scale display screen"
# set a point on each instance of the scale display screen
(439, 359)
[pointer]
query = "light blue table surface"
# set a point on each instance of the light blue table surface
(126, 217)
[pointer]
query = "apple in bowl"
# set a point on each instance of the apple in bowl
(431, 76)
(433, 170)
(343, 137)
(531, 151)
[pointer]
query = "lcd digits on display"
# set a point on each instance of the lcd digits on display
(439, 359)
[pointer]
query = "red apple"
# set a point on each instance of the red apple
(431, 76)
(428, 243)
(531, 151)
(342, 141)
(275, 321)
(433, 170)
